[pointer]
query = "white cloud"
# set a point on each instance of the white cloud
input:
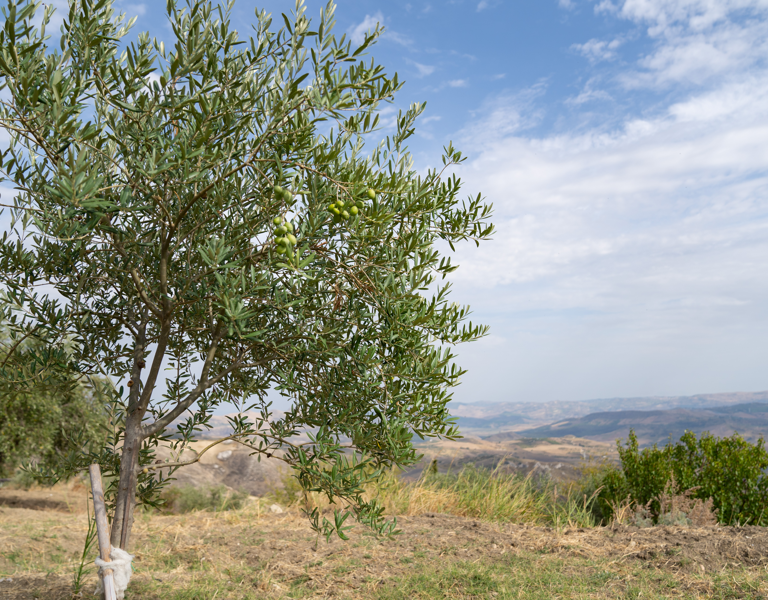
(695, 40)
(398, 38)
(694, 14)
(630, 240)
(482, 5)
(424, 70)
(589, 94)
(662, 209)
(458, 83)
(369, 23)
(505, 115)
(135, 10)
(627, 261)
(597, 50)
(566, 4)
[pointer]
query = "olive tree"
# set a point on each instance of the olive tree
(222, 220)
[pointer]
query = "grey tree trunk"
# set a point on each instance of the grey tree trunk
(126, 494)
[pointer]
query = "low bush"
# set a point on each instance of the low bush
(727, 475)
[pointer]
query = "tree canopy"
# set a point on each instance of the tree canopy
(41, 423)
(214, 221)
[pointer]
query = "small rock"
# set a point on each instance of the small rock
(275, 508)
(224, 455)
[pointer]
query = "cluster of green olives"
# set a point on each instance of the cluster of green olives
(284, 237)
(342, 211)
(284, 194)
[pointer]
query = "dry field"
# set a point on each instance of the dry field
(253, 553)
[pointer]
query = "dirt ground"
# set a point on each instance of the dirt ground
(254, 551)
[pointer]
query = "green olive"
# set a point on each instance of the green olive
(278, 191)
(282, 249)
(289, 226)
(288, 197)
(337, 219)
(336, 212)
(277, 220)
(371, 194)
(340, 203)
(345, 214)
(291, 238)
(281, 241)
(282, 230)
(353, 210)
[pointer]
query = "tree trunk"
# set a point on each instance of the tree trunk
(126, 494)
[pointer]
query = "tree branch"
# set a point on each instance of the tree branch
(166, 420)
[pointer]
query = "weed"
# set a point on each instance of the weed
(90, 540)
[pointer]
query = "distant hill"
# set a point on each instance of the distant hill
(490, 417)
(656, 426)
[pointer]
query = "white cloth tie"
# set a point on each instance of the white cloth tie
(121, 570)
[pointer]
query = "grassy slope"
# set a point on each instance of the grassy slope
(510, 540)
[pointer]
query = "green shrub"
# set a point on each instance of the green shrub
(730, 471)
(38, 427)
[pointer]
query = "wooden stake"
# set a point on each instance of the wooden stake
(102, 530)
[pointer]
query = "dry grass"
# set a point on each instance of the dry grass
(472, 534)
(252, 553)
(489, 495)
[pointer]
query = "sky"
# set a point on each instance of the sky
(624, 146)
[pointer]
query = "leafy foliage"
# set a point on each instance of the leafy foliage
(155, 188)
(41, 424)
(730, 471)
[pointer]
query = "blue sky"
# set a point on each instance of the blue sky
(624, 145)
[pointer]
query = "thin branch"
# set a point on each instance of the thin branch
(234, 437)
(166, 420)
(16, 345)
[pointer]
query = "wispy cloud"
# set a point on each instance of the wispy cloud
(589, 94)
(641, 228)
(504, 115)
(695, 40)
(369, 23)
(483, 4)
(597, 50)
(423, 70)
(667, 212)
(135, 10)
(458, 83)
